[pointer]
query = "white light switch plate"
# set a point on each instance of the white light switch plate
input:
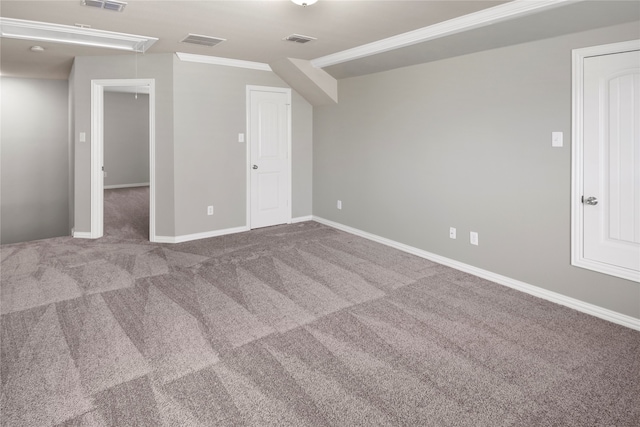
(556, 139)
(241, 137)
(473, 238)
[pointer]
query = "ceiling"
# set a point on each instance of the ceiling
(254, 29)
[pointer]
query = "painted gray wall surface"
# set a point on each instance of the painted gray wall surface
(466, 142)
(126, 138)
(149, 66)
(302, 156)
(71, 147)
(210, 163)
(35, 166)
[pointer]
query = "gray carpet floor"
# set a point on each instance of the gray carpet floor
(294, 325)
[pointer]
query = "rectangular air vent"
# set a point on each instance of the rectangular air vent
(202, 40)
(298, 38)
(115, 5)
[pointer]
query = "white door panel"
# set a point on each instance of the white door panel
(268, 191)
(611, 168)
(269, 144)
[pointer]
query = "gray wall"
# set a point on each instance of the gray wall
(150, 66)
(126, 138)
(466, 142)
(34, 172)
(302, 156)
(210, 163)
(200, 109)
(71, 148)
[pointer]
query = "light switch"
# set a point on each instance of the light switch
(83, 137)
(241, 137)
(556, 139)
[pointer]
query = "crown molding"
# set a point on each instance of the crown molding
(69, 34)
(216, 60)
(503, 12)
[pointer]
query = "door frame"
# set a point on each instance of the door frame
(286, 91)
(577, 153)
(97, 152)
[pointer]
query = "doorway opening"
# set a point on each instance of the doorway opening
(98, 89)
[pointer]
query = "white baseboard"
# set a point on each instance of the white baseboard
(82, 234)
(301, 219)
(216, 233)
(140, 184)
(584, 307)
(198, 236)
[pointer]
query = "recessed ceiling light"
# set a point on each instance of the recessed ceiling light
(36, 49)
(69, 34)
(115, 5)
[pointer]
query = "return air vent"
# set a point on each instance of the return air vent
(202, 40)
(115, 5)
(298, 38)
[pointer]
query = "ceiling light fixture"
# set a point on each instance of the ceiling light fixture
(46, 32)
(304, 3)
(36, 49)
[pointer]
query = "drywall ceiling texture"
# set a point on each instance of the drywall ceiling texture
(158, 67)
(465, 142)
(34, 154)
(557, 21)
(254, 29)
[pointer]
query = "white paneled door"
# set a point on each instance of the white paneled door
(270, 163)
(611, 160)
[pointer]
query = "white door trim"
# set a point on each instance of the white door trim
(577, 153)
(97, 152)
(286, 91)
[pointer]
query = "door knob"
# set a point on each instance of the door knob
(590, 201)
(255, 166)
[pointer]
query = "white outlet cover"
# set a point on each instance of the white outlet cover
(452, 232)
(473, 238)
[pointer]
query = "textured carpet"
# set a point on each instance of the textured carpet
(296, 325)
(126, 213)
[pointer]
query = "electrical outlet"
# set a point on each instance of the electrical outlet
(105, 174)
(473, 238)
(209, 210)
(452, 233)
(339, 204)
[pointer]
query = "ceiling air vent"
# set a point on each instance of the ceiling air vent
(299, 38)
(202, 40)
(116, 5)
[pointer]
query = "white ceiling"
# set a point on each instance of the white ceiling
(254, 29)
